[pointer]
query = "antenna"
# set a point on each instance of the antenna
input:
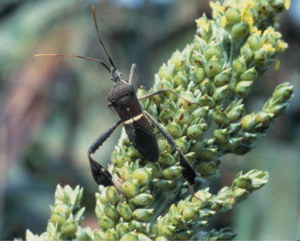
(96, 25)
(73, 56)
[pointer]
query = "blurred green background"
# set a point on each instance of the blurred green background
(52, 109)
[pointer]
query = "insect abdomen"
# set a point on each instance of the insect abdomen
(137, 127)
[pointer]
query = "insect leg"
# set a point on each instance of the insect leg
(133, 68)
(97, 170)
(110, 106)
(188, 171)
(97, 143)
(165, 90)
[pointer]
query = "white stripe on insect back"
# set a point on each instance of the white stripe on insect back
(136, 118)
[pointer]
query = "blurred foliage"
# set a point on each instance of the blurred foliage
(53, 109)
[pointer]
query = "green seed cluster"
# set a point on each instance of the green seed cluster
(193, 213)
(66, 216)
(214, 73)
(121, 220)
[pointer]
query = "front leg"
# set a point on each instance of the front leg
(133, 68)
(100, 174)
(165, 90)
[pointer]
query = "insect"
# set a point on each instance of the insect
(125, 104)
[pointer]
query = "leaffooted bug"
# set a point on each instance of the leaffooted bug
(125, 104)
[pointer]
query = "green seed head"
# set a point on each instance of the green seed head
(105, 222)
(182, 117)
(233, 15)
(172, 173)
(242, 88)
(142, 175)
(164, 84)
(133, 152)
(234, 128)
(250, 74)
(199, 43)
(243, 182)
(142, 214)
(132, 236)
(206, 86)
(261, 57)
(254, 42)
(202, 197)
(126, 172)
(263, 119)
(200, 112)
(69, 228)
(58, 217)
(213, 67)
(207, 101)
(190, 213)
(180, 79)
(125, 157)
(221, 135)
(213, 49)
(100, 235)
(241, 149)
(164, 145)
(178, 61)
(240, 30)
(282, 93)
(187, 95)
(166, 72)
(220, 93)
(222, 78)
(111, 234)
(248, 122)
(197, 74)
(156, 169)
(183, 144)
(122, 229)
(62, 208)
(240, 194)
(184, 235)
(138, 226)
(232, 143)
(161, 183)
(124, 211)
(236, 112)
(240, 65)
(262, 7)
(112, 195)
(197, 59)
(207, 154)
(207, 168)
(166, 115)
(221, 118)
(166, 158)
(110, 211)
(168, 231)
(143, 199)
(205, 35)
(248, 54)
(130, 188)
(196, 132)
(174, 129)
(161, 238)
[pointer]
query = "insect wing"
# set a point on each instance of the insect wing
(144, 140)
